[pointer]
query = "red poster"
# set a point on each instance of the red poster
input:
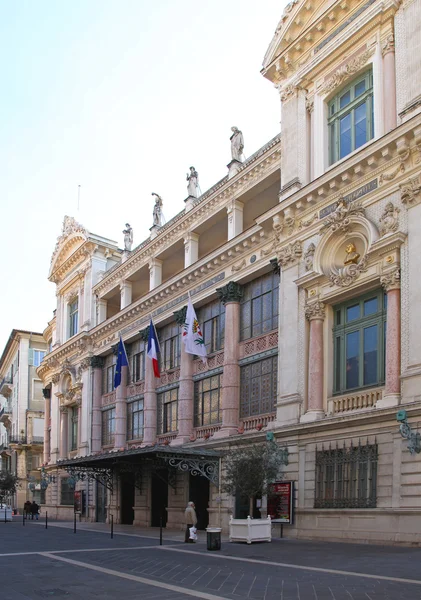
(281, 502)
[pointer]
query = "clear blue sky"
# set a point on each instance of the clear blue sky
(121, 97)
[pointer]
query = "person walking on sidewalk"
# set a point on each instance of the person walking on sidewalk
(190, 520)
(27, 508)
(34, 510)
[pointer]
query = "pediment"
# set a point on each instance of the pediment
(72, 237)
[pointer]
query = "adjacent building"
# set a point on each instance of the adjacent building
(22, 412)
(302, 264)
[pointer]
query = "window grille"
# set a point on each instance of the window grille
(108, 427)
(167, 410)
(207, 397)
(259, 306)
(212, 322)
(135, 420)
(169, 341)
(258, 387)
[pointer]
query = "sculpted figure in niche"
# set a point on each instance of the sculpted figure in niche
(237, 144)
(193, 182)
(352, 257)
(157, 210)
(128, 237)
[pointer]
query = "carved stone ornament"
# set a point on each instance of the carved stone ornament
(344, 276)
(309, 256)
(340, 219)
(144, 334)
(391, 281)
(290, 253)
(275, 266)
(55, 378)
(315, 310)
(388, 44)
(310, 104)
(347, 71)
(239, 266)
(64, 410)
(231, 292)
(180, 316)
(389, 220)
(410, 192)
(288, 92)
(96, 362)
(69, 226)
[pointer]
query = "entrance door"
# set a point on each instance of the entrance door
(101, 503)
(159, 499)
(127, 498)
(199, 494)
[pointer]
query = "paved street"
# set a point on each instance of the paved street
(56, 563)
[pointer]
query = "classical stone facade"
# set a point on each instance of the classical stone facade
(303, 268)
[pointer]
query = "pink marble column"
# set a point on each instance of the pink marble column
(389, 83)
(185, 398)
(64, 432)
(391, 284)
(315, 313)
(96, 364)
(47, 425)
(149, 406)
(230, 295)
(120, 435)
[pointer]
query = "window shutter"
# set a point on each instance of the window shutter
(31, 357)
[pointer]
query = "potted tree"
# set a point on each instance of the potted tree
(249, 471)
(8, 486)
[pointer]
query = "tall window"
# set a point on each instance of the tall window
(73, 317)
(258, 387)
(108, 372)
(359, 336)
(346, 477)
(169, 340)
(212, 321)
(135, 419)
(108, 427)
(207, 395)
(138, 366)
(74, 422)
(259, 306)
(66, 493)
(38, 357)
(350, 121)
(167, 411)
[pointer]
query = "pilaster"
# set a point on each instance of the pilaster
(191, 249)
(235, 219)
(155, 273)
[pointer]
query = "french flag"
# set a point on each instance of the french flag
(153, 349)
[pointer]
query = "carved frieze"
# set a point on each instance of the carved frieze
(315, 310)
(290, 254)
(345, 276)
(231, 292)
(346, 71)
(391, 280)
(411, 192)
(340, 219)
(389, 221)
(239, 266)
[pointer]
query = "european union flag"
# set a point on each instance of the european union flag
(121, 362)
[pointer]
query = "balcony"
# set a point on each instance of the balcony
(6, 386)
(17, 439)
(5, 415)
(354, 401)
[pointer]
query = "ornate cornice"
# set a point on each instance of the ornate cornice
(347, 71)
(315, 310)
(391, 280)
(411, 192)
(180, 316)
(289, 254)
(231, 292)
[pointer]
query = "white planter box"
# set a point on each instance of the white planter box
(5, 511)
(250, 530)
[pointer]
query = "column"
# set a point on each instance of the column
(310, 137)
(102, 310)
(235, 218)
(186, 389)
(97, 363)
(315, 313)
(64, 432)
(120, 435)
(149, 400)
(155, 273)
(389, 82)
(47, 424)
(125, 294)
(191, 249)
(392, 392)
(230, 295)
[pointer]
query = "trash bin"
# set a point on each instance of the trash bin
(213, 538)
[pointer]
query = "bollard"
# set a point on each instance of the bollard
(46, 519)
(160, 531)
(23, 518)
(112, 526)
(74, 524)
(5, 515)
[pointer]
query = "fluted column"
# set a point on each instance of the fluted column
(185, 390)
(389, 82)
(97, 363)
(47, 424)
(230, 295)
(149, 400)
(64, 432)
(392, 392)
(120, 435)
(315, 313)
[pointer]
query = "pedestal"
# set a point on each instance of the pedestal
(233, 167)
(189, 202)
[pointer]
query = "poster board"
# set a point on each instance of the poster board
(280, 504)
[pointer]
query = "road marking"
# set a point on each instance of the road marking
(150, 582)
(79, 550)
(290, 566)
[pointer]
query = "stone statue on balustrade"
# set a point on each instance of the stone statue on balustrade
(193, 183)
(157, 210)
(237, 144)
(128, 238)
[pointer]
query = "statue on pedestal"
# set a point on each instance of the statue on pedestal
(157, 210)
(128, 238)
(193, 182)
(237, 144)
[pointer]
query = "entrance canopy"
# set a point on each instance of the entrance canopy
(103, 467)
